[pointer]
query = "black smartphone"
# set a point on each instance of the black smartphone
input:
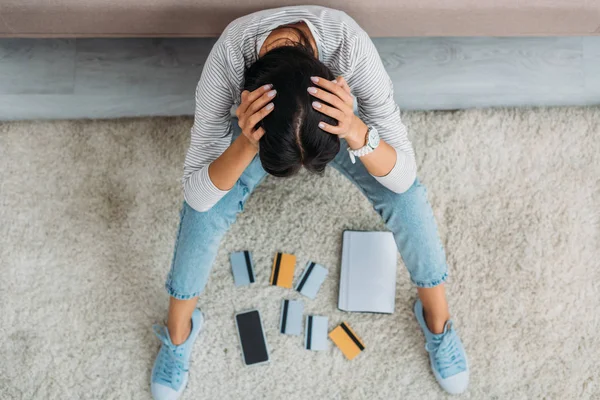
(252, 337)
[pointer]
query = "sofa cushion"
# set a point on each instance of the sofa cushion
(198, 18)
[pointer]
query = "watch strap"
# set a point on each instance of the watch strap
(363, 151)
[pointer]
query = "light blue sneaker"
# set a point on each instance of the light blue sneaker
(446, 355)
(170, 371)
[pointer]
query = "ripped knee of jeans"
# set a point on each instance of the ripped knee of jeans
(245, 194)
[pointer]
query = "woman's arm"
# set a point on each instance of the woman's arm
(387, 164)
(374, 93)
(213, 163)
(379, 162)
(230, 165)
(211, 132)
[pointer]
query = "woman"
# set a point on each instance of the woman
(291, 71)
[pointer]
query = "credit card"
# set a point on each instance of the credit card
(291, 317)
(283, 270)
(242, 268)
(311, 279)
(347, 341)
(315, 337)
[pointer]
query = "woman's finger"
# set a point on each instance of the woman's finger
(327, 97)
(327, 110)
(335, 130)
(261, 101)
(258, 116)
(342, 82)
(257, 134)
(251, 96)
(333, 88)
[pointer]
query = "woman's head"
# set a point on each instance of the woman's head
(292, 137)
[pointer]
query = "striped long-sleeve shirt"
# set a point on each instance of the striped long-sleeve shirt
(342, 45)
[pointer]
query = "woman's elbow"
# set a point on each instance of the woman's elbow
(406, 182)
(198, 204)
(202, 207)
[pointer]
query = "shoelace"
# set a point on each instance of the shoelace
(171, 365)
(446, 353)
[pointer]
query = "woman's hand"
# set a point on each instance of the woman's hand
(229, 166)
(350, 127)
(254, 107)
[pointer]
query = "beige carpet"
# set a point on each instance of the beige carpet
(89, 212)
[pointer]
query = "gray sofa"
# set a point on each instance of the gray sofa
(207, 18)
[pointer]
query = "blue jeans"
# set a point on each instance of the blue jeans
(407, 215)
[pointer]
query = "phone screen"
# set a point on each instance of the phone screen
(252, 337)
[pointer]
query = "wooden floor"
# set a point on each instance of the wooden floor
(101, 78)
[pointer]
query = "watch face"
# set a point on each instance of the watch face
(373, 138)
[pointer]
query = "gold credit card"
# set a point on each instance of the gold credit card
(348, 342)
(283, 270)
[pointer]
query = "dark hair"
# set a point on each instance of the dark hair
(292, 136)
